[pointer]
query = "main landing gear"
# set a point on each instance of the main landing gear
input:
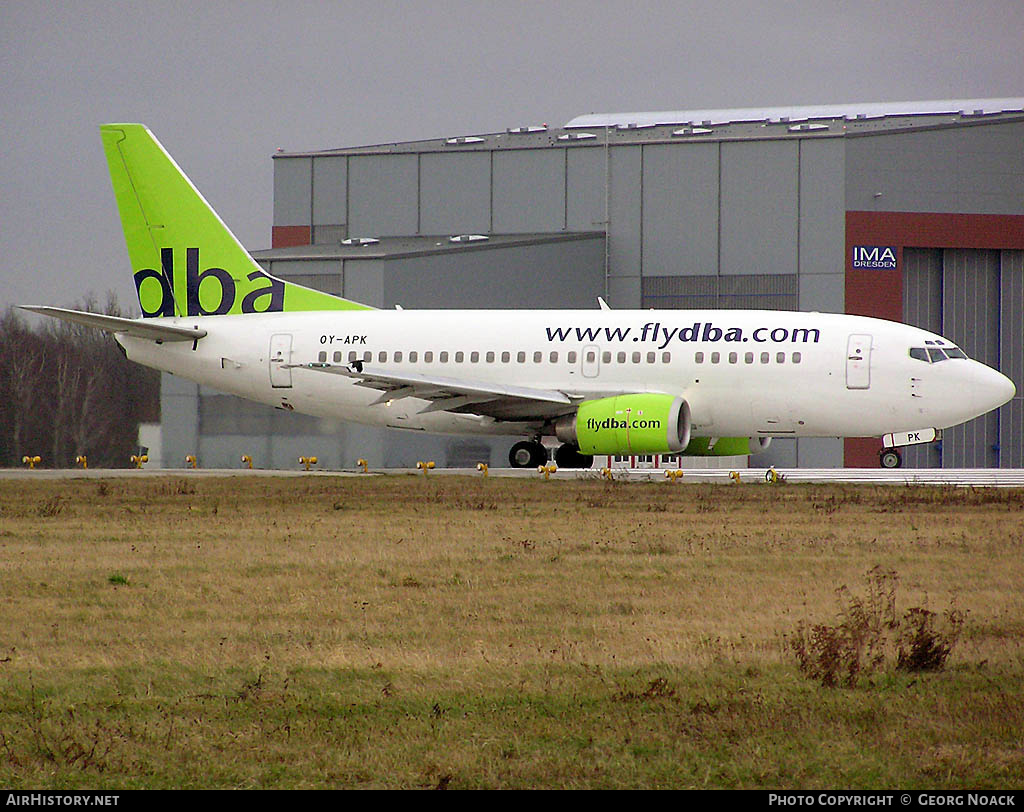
(527, 454)
(568, 456)
(531, 454)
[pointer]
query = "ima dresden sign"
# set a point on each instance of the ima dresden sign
(875, 257)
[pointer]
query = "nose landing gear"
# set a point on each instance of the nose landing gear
(890, 458)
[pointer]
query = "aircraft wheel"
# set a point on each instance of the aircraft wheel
(526, 454)
(890, 458)
(567, 456)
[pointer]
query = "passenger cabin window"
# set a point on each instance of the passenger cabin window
(443, 358)
(322, 357)
(398, 357)
(572, 357)
(337, 357)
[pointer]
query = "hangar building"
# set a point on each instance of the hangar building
(912, 212)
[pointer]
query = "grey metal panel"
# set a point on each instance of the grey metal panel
(293, 191)
(965, 169)
(825, 292)
(529, 191)
(330, 180)
(759, 207)
(328, 282)
(455, 193)
(382, 195)
(736, 292)
(680, 292)
(822, 206)
(566, 274)
(179, 419)
(625, 211)
(1011, 357)
(329, 235)
(970, 293)
(680, 209)
(758, 292)
(922, 307)
(782, 453)
(322, 275)
(585, 181)
(364, 282)
(816, 452)
(624, 292)
(922, 288)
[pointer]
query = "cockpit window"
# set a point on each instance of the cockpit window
(934, 355)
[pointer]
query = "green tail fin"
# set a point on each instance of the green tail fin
(186, 262)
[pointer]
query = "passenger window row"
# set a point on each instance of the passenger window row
(414, 356)
(748, 357)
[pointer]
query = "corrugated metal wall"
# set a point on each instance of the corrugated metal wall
(1011, 356)
(975, 298)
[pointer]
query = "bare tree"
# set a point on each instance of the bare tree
(69, 389)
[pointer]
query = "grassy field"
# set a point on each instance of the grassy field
(466, 633)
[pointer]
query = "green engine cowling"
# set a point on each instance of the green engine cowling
(725, 446)
(646, 423)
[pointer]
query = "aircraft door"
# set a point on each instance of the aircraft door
(858, 362)
(280, 354)
(590, 361)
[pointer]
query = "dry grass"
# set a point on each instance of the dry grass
(410, 631)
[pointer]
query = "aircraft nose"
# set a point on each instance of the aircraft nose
(990, 389)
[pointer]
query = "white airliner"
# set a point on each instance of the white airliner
(716, 382)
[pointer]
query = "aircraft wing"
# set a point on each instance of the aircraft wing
(501, 401)
(114, 324)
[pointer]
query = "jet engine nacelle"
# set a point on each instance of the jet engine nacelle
(647, 423)
(726, 446)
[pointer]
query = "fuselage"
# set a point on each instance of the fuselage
(743, 373)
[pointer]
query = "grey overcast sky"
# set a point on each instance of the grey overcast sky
(224, 84)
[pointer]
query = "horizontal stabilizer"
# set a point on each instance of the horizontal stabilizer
(115, 324)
